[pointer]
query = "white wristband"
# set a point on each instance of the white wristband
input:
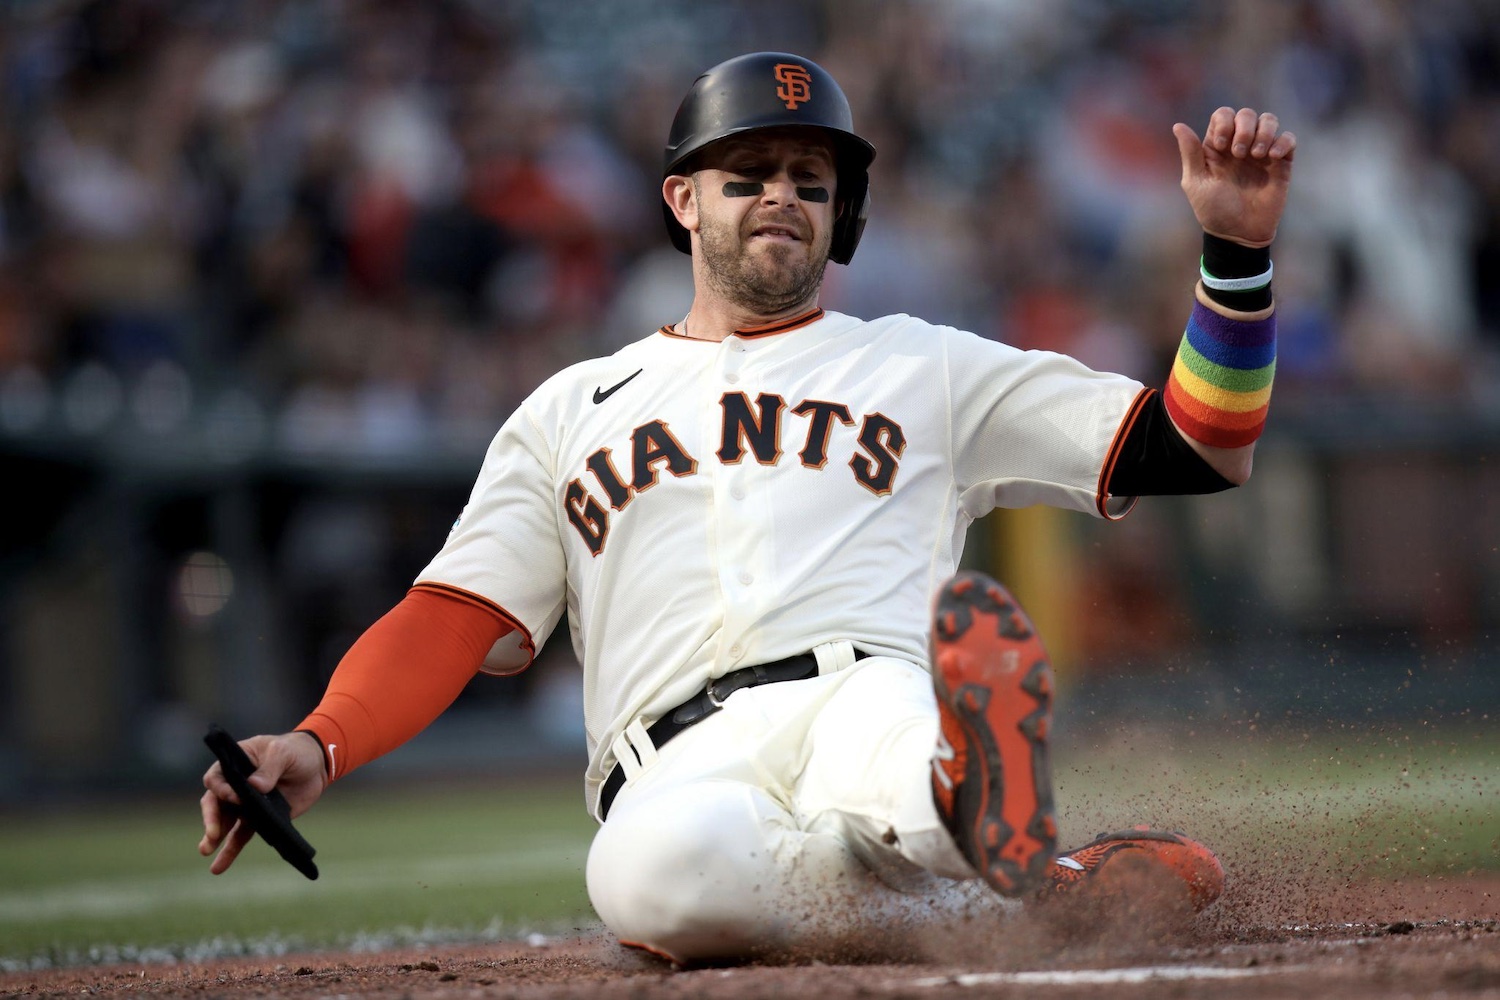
(1249, 284)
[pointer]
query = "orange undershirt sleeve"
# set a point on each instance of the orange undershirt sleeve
(400, 675)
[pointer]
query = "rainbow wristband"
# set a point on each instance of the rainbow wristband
(1220, 386)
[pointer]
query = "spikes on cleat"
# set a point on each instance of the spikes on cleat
(995, 796)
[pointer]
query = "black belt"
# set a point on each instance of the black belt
(708, 701)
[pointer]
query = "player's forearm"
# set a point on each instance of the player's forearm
(399, 676)
(1219, 390)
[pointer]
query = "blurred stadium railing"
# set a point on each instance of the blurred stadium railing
(150, 583)
(271, 275)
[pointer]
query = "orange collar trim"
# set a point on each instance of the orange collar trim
(770, 329)
(781, 326)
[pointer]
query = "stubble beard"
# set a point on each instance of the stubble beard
(769, 281)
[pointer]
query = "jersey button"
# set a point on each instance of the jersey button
(737, 493)
(735, 652)
(746, 579)
(732, 377)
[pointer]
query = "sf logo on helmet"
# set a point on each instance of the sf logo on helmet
(794, 80)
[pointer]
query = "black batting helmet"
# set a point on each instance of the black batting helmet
(773, 90)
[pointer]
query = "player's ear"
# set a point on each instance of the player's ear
(680, 197)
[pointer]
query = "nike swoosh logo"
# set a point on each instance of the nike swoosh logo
(600, 395)
(333, 762)
(944, 752)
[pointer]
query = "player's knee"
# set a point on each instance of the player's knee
(681, 871)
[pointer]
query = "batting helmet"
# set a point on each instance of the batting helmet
(773, 90)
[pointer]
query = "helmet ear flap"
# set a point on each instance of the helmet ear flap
(850, 224)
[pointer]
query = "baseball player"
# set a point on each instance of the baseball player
(802, 725)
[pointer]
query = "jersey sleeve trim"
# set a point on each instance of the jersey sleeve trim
(470, 597)
(1101, 494)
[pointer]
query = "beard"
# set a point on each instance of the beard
(771, 279)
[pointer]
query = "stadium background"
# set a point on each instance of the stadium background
(272, 273)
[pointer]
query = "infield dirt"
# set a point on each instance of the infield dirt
(1415, 938)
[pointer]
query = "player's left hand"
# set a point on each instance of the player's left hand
(1236, 176)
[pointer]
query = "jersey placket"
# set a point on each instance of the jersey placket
(742, 504)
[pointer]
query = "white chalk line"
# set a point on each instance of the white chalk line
(1097, 977)
(275, 945)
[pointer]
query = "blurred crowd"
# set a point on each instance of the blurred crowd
(308, 231)
(380, 223)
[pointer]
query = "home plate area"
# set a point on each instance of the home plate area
(1443, 939)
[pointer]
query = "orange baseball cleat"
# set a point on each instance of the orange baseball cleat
(1128, 860)
(991, 775)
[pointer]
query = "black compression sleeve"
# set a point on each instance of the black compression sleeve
(1155, 460)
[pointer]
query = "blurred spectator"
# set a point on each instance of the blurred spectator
(186, 182)
(383, 222)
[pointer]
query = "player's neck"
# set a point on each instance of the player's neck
(715, 321)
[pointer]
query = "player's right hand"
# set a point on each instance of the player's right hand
(1236, 177)
(292, 763)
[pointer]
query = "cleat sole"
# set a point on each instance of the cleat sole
(995, 686)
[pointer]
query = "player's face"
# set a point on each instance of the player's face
(765, 213)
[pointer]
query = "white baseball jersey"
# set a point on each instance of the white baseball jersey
(698, 507)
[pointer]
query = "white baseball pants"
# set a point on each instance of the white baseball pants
(796, 820)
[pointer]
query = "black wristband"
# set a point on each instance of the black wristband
(322, 747)
(1227, 259)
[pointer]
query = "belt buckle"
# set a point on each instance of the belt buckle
(713, 694)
